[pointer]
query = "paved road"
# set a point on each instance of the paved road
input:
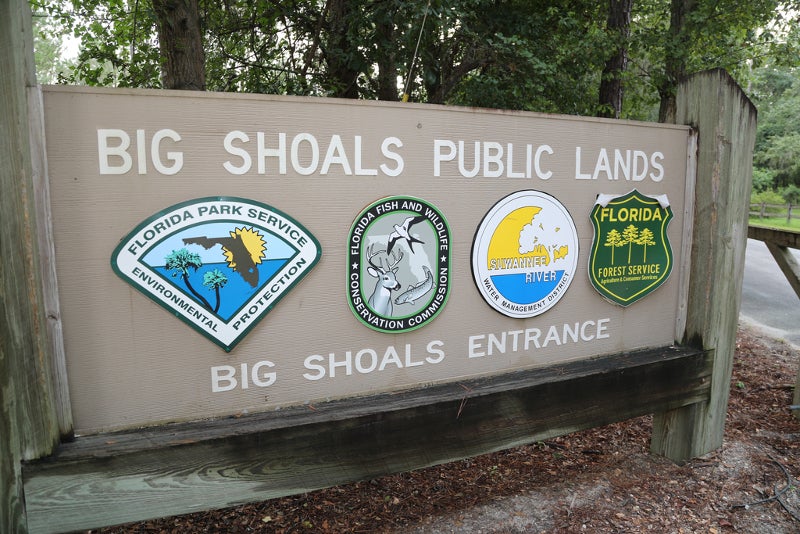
(768, 301)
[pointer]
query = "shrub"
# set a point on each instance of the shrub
(791, 195)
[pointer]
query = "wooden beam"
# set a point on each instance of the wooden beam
(788, 264)
(131, 476)
(725, 120)
(782, 238)
(778, 242)
(28, 422)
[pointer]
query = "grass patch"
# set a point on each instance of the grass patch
(776, 222)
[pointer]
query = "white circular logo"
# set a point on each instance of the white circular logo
(524, 254)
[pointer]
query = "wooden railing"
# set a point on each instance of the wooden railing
(764, 210)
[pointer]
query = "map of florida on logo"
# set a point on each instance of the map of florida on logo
(525, 254)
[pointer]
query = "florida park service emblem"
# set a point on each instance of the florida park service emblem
(631, 255)
(219, 264)
(398, 275)
(525, 254)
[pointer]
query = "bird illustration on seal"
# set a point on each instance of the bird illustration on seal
(401, 231)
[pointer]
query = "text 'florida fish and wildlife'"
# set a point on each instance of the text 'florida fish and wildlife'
(398, 264)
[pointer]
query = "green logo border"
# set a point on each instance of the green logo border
(596, 225)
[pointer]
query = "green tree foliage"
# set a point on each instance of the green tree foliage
(541, 55)
(215, 280)
(792, 195)
(180, 261)
(676, 38)
(776, 92)
(48, 49)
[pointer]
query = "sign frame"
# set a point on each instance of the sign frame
(126, 468)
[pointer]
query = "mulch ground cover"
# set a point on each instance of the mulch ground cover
(602, 480)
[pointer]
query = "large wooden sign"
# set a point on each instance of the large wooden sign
(228, 254)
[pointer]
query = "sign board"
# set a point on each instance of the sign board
(226, 254)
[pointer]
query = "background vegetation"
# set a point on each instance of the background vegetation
(616, 58)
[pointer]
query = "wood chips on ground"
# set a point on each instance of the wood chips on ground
(602, 480)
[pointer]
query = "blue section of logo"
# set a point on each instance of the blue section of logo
(519, 288)
(236, 291)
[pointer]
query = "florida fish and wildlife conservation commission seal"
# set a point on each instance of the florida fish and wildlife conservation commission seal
(525, 254)
(398, 264)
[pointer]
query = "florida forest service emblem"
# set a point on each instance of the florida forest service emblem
(398, 264)
(219, 264)
(631, 255)
(524, 254)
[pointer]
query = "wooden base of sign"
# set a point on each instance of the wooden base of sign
(131, 476)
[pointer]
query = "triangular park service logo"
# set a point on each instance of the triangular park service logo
(631, 255)
(219, 264)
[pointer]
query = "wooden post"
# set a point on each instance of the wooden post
(28, 421)
(725, 119)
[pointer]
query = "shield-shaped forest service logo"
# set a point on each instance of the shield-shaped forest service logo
(219, 264)
(631, 255)
(398, 264)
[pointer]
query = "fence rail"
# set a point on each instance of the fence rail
(764, 210)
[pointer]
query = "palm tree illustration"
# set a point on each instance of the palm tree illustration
(630, 235)
(613, 240)
(181, 261)
(215, 280)
(646, 239)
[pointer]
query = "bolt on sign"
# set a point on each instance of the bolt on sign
(223, 254)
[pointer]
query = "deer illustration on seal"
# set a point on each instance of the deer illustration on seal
(381, 299)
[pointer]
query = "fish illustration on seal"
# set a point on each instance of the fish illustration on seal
(416, 291)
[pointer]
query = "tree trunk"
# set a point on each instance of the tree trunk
(611, 87)
(342, 74)
(181, 44)
(675, 62)
(387, 63)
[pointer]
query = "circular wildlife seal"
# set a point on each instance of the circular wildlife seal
(524, 254)
(398, 275)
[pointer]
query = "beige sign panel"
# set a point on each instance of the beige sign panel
(348, 176)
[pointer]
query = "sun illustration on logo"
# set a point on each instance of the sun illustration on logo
(253, 243)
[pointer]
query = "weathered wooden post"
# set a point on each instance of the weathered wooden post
(28, 425)
(726, 122)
